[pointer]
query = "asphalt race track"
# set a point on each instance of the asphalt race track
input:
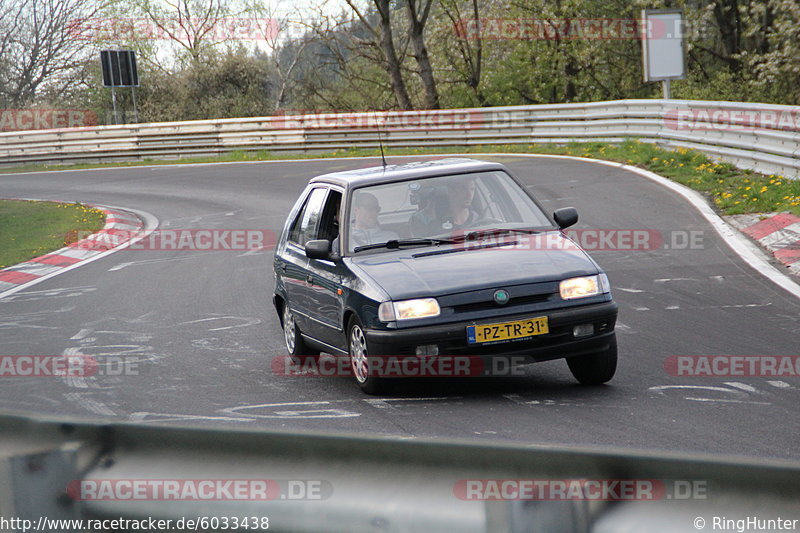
(202, 331)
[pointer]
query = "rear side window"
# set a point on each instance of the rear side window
(305, 225)
(329, 223)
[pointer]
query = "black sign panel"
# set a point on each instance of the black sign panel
(119, 68)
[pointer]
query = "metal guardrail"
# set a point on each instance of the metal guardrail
(368, 484)
(762, 137)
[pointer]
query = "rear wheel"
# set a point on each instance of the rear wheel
(294, 341)
(595, 368)
(360, 360)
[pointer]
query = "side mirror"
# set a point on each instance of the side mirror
(565, 217)
(318, 249)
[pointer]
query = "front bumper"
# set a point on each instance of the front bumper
(451, 339)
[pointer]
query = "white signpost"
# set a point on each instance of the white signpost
(663, 49)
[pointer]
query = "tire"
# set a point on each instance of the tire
(294, 341)
(595, 368)
(359, 359)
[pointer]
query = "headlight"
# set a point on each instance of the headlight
(582, 287)
(407, 309)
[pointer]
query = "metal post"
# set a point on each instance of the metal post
(666, 87)
(114, 103)
(135, 108)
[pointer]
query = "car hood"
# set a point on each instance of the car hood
(431, 271)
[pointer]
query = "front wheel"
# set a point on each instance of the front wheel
(294, 341)
(360, 360)
(595, 368)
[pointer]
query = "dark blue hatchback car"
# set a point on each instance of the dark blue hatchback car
(438, 259)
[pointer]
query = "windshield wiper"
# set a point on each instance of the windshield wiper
(472, 235)
(397, 243)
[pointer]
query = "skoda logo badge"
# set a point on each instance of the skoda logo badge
(501, 296)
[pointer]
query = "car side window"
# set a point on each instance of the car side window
(329, 224)
(305, 225)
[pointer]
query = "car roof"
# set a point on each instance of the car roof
(415, 170)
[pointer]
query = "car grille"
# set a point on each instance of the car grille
(480, 304)
(491, 304)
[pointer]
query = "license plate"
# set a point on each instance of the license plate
(506, 331)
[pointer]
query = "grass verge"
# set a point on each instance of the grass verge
(733, 191)
(29, 229)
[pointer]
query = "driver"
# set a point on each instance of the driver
(364, 228)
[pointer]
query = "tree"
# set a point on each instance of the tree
(418, 12)
(188, 23)
(383, 37)
(466, 58)
(41, 46)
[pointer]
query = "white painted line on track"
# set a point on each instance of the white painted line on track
(743, 386)
(81, 334)
(328, 412)
(779, 384)
(141, 417)
(715, 400)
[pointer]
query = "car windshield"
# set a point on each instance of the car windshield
(427, 210)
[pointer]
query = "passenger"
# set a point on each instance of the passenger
(451, 209)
